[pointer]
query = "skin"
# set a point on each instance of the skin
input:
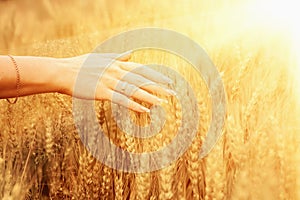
(46, 75)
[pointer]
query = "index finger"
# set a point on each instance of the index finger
(121, 57)
(145, 71)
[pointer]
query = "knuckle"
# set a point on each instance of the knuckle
(114, 69)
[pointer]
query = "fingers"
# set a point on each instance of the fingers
(120, 92)
(144, 83)
(123, 100)
(121, 57)
(145, 72)
(131, 90)
(140, 81)
(123, 80)
(115, 71)
(125, 57)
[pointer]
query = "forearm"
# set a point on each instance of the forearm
(37, 75)
(118, 82)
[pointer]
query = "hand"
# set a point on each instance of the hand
(120, 80)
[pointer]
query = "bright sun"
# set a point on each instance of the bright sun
(284, 15)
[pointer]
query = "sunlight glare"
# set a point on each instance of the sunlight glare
(284, 15)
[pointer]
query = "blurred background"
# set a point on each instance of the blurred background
(214, 22)
(255, 46)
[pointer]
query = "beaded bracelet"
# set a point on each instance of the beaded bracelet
(18, 82)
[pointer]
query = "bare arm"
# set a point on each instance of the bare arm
(38, 75)
(44, 75)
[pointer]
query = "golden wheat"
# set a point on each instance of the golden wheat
(42, 155)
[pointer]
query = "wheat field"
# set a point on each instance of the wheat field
(42, 156)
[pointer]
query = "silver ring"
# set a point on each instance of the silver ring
(123, 86)
(126, 88)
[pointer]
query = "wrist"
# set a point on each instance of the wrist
(40, 74)
(64, 76)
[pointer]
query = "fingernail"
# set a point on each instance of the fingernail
(145, 109)
(172, 92)
(161, 101)
(168, 80)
